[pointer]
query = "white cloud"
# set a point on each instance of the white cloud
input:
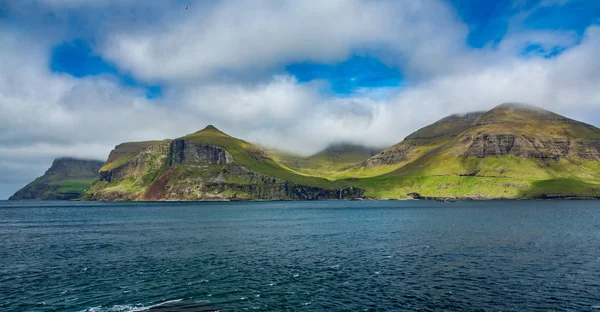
(251, 36)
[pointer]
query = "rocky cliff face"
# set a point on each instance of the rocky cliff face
(508, 129)
(182, 169)
(485, 145)
(527, 132)
(67, 178)
(183, 151)
(147, 159)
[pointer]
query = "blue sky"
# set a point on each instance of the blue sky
(346, 77)
(76, 58)
(488, 22)
(295, 75)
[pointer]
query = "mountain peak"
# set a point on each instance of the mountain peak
(518, 106)
(210, 129)
(518, 112)
(449, 126)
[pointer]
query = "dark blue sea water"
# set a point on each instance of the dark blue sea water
(306, 256)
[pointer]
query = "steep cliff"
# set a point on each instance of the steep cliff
(528, 132)
(206, 165)
(67, 178)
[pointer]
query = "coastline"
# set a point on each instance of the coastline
(423, 198)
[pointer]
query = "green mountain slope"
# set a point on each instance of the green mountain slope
(208, 164)
(511, 151)
(329, 163)
(67, 178)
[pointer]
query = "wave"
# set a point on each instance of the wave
(130, 308)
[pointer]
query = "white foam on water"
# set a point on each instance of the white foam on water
(129, 307)
(156, 305)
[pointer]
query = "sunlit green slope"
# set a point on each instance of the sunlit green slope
(510, 151)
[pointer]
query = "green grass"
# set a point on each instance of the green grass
(502, 166)
(74, 186)
(506, 177)
(388, 186)
(562, 188)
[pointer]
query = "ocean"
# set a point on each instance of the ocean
(300, 256)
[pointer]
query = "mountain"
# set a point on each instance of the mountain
(513, 151)
(328, 163)
(206, 165)
(67, 178)
(510, 151)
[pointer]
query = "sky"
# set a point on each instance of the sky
(78, 77)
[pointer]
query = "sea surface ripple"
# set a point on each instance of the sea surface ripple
(305, 256)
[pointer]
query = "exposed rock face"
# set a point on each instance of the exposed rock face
(529, 132)
(67, 178)
(508, 129)
(484, 145)
(148, 159)
(394, 155)
(183, 151)
(185, 170)
(284, 190)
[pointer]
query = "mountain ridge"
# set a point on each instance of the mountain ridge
(67, 178)
(207, 165)
(504, 153)
(510, 151)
